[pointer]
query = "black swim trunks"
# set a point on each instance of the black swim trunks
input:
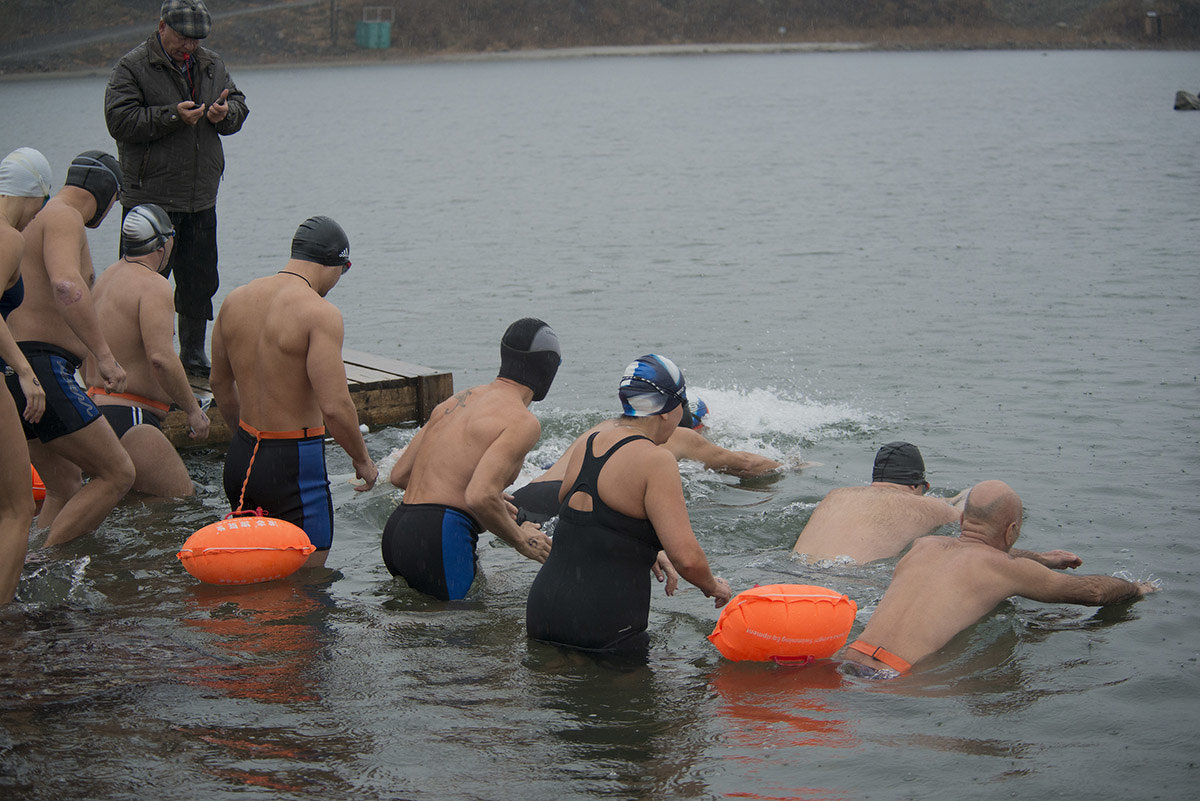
(123, 418)
(593, 592)
(68, 408)
(432, 547)
(287, 480)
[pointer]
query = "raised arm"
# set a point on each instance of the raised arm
(327, 375)
(497, 468)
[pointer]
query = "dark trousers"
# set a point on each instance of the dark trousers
(194, 262)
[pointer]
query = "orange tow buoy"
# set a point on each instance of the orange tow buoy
(784, 623)
(39, 489)
(245, 550)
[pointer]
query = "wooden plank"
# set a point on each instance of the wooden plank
(385, 392)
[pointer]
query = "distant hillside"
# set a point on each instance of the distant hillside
(52, 35)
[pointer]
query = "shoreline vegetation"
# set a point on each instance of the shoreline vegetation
(84, 37)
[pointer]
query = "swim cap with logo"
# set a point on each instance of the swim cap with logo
(322, 241)
(651, 385)
(899, 463)
(530, 355)
(100, 174)
(25, 173)
(145, 229)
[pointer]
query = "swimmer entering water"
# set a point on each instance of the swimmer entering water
(945, 584)
(455, 469)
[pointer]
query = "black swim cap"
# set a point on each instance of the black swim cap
(145, 229)
(899, 463)
(100, 174)
(530, 355)
(322, 241)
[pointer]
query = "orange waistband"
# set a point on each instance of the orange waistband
(881, 655)
(129, 396)
(301, 433)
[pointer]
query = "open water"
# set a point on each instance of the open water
(993, 255)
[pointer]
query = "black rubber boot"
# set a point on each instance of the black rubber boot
(192, 332)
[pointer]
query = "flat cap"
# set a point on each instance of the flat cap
(188, 18)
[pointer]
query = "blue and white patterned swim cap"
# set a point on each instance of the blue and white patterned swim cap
(651, 385)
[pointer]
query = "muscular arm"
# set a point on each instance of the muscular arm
(220, 377)
(1039, 583)
(327, 375)
(685, 443)
(62, 251)
(497, 468)
(156, 312)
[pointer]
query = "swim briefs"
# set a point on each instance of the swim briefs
(287, 479)
(68, 408)
(123, 418)
(432, 547)
(537, 501)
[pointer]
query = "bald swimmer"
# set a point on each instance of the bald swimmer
(945, 584)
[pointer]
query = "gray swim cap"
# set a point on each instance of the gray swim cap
(25, 173)
(100, 174)
(899, 463)
(145, 229)
(530, 355)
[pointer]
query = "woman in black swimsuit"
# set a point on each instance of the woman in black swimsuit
(622, 506)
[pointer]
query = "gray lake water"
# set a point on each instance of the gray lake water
(993, 255)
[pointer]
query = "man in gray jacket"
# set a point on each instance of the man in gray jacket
(168, 103)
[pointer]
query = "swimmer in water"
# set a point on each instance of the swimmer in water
(277, 371)
(945, 584)
(538, 500)
(622, 512)
(880, 520)
(56, 327)
(456, 467)
(135, 306)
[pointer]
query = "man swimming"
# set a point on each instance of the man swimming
(945, 584)
(56, 327)
(277, 371)
(538, 500)
(134, 304)
(455, 469)
(880, 520)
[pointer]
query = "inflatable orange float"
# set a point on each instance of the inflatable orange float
(245, 550)
(39, 488)
(784, 623)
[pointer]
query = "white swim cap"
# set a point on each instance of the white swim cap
(25, 173)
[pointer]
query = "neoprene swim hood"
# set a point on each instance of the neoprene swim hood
(145, 229)
(899, 463)
(100, 174)
(651, 385)
(530, 355)
(321, 241)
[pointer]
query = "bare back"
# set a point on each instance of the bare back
(868, 523)
(272, 331)
(482, 431)
(123, 297)
(623, 482)
(56, 263)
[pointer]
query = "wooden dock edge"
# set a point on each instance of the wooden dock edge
(385, 392)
